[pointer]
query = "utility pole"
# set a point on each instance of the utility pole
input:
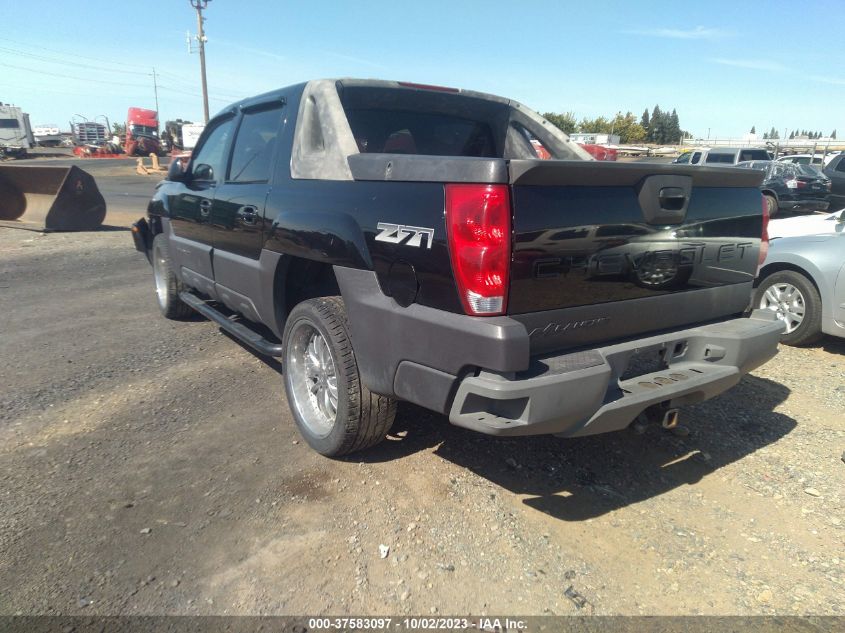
(155, 87)
(200, 6)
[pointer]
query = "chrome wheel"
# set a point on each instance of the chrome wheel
(787, 302)
(312, 378)
(160, 274)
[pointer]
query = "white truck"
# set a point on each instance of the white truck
(15, 132)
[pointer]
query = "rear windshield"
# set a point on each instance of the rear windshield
(808, 170)
(403, 132)
(387, 120)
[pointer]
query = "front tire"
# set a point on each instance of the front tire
(334, 411)
(796, 302)
(167, 285)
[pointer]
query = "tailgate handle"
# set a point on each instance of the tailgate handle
(664, 199)
(672, 198)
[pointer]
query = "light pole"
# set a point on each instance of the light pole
(200, 6)
(155, 88)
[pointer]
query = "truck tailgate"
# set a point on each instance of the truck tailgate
(608, 250)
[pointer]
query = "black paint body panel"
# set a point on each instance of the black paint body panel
(583, 248)
(576, 246)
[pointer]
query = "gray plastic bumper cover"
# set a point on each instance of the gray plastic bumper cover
(586, 393)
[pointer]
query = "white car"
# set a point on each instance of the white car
(807, 159)
(808, 225)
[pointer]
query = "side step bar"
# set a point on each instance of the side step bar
(235, 328)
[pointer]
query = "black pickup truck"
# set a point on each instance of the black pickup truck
(394, 241)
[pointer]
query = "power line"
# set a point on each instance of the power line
(53, 60)
(88, 80)
(63, 76)
(53, 50)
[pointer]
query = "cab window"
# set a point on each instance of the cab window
(209, 161)
(252, 155)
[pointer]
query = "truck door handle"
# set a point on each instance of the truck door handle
(248, 215)
(205, 207)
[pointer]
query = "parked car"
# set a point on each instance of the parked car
(791, 186)
(835, 170)
(406, 242)
(722, 156)
(802, 159)
(803, 282)
(600, 152)
(808, 225)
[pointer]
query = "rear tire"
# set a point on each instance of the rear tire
(771, 204)
(797, 303)
(167, 285)
(334, 411)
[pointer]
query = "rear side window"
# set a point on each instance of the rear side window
(753, 154)
(532, 144)
(781, 170)
(720, 158)
(841, 165)
(9, 123)
(252, 155)
(402, 132)
(695, 158)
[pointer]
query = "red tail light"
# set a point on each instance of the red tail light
(764, 238)
(478, 224)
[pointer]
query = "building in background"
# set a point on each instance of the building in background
(589, 138)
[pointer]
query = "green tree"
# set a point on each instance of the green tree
(833, 135)
(656, 126)
(773, 133)
(565, 121)
(118, 129)
(753, 129)
(673, 132)
(626, 126)
(644, 120)
(792, 135)
(599, 125)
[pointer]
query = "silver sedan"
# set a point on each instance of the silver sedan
(803, 281)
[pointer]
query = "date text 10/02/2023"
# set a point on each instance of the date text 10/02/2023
(416, 623)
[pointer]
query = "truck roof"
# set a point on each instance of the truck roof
(324, 143)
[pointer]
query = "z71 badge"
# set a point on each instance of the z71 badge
(403, 234)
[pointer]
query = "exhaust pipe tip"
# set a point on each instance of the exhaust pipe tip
(670, 419)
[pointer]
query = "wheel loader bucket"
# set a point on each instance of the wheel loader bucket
(50, 199)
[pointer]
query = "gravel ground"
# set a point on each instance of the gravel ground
(152, 467)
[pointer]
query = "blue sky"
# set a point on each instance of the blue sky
(724, 66)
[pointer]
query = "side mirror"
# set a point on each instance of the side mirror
(175, 172)
(203, 172)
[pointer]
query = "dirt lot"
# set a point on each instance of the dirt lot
(149, 466)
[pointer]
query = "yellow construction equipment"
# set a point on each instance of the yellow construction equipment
(50, 199)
